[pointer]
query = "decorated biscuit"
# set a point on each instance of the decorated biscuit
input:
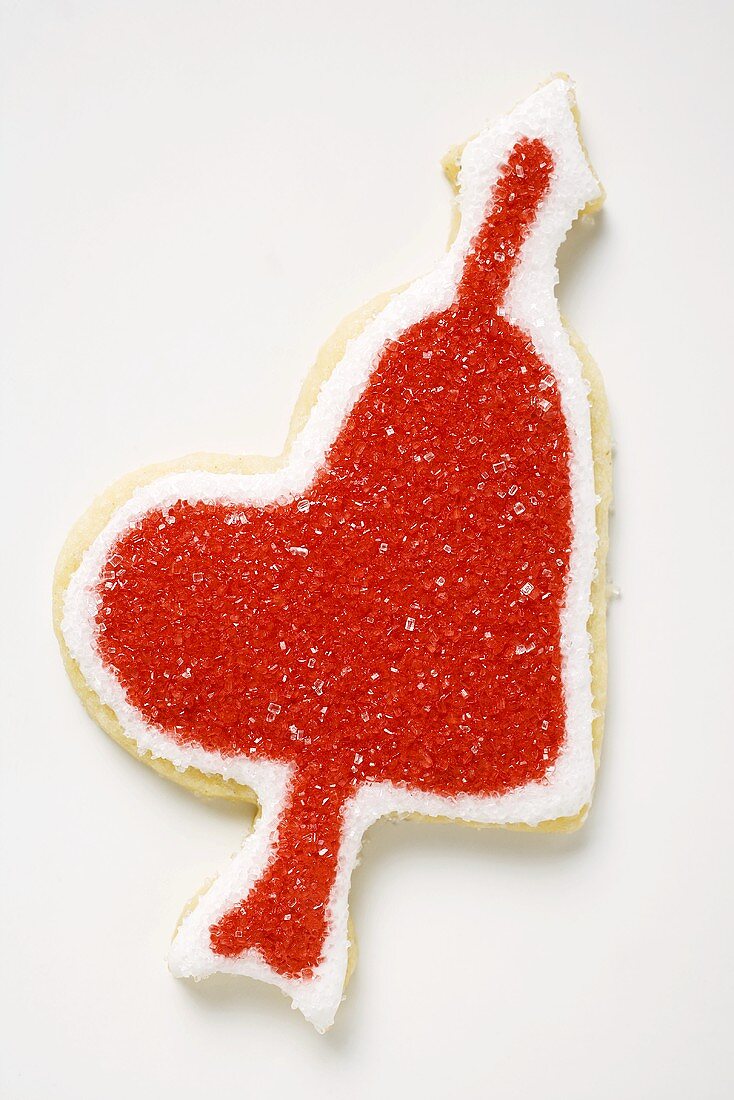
(403, 615)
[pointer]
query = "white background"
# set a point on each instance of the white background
(193, 195)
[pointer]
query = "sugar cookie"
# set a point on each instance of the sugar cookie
(405, 613)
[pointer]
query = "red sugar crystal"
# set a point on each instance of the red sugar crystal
(401, 621)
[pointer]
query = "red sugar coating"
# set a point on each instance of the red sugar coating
(399, 622)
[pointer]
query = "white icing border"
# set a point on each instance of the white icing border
(530, 303)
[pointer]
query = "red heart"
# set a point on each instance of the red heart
(401, 621)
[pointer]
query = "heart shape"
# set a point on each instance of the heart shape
(401, 620)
